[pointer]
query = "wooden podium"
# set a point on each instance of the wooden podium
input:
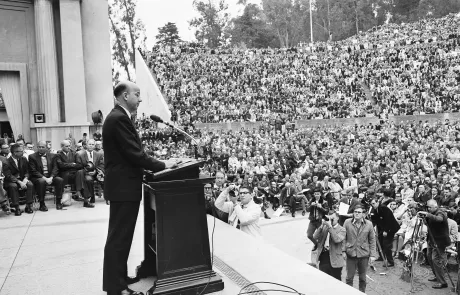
(176, 240)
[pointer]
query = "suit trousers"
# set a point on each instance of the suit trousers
(387, 245)
(13, 191)
(326, 267)
(68, 177)
(361, 264)
(437, 262)
(303, 200)
(84, 182)
(40, 187)
(122, 222)
(312, 227)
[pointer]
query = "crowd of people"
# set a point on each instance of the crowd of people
(418, 73)
(399, 167)
(29, 172)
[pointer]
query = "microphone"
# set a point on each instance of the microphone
(159, 120)
(156, 119)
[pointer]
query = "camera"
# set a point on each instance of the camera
(232, 189)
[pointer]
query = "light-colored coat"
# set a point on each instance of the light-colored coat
(359, 243)
(336, 239)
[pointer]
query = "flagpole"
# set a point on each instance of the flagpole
(311, 25)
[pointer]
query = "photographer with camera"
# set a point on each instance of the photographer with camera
(224, 208)
(318, 210)
(243, 212)
(438, 241)
(330, 237)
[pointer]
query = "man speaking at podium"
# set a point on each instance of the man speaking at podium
(124, 160)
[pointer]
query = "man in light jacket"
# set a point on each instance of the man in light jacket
(359, 246)
(330, 237)
(244, 215)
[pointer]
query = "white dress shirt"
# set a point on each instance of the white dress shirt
(127, 112)
(351, 184)
(90, 156)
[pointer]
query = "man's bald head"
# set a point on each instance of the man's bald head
(41, 147)
(432, 203)
(65, 146)
(90, 144)
(127, 95)
(432, 206)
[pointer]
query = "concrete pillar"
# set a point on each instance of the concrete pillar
(97, 52)
(48, 87)
(73, 62)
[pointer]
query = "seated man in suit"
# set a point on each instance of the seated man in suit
(86, 176)
(67, 163)
(17, 179)
(44, 171)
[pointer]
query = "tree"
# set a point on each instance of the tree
(168, 34)
(127, 34)
(211, 23)
(279, 14)
(251, 30)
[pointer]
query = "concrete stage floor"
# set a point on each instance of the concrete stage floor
(61, 252)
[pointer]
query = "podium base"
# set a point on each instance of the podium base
(190, 284)
(145, 269)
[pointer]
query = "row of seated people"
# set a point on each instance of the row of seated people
(25, 178)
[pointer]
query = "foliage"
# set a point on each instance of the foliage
(211, 23)
(251, 30)
(127, 34)
(168, 34)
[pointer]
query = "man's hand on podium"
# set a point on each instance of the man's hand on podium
(172, 163)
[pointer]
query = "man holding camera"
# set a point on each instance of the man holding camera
(318, 210)
(438, 240)
(244, 214)
(330, 237)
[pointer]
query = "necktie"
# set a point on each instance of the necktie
(133, 118)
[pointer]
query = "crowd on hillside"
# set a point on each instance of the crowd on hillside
(412, 152)
(335, 80)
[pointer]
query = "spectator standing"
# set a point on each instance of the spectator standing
(359, 247)
(330, 237)
(387, 226)
(438, 241)
(318, 209)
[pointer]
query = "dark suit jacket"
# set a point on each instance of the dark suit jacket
(15, 173)
(284, 192)
(36, 166)
(124, 158)
(446, 200)
(82, 159)
(67, 163)
(354, 202)
(385, 220)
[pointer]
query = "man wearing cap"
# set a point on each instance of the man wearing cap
(330, 236)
